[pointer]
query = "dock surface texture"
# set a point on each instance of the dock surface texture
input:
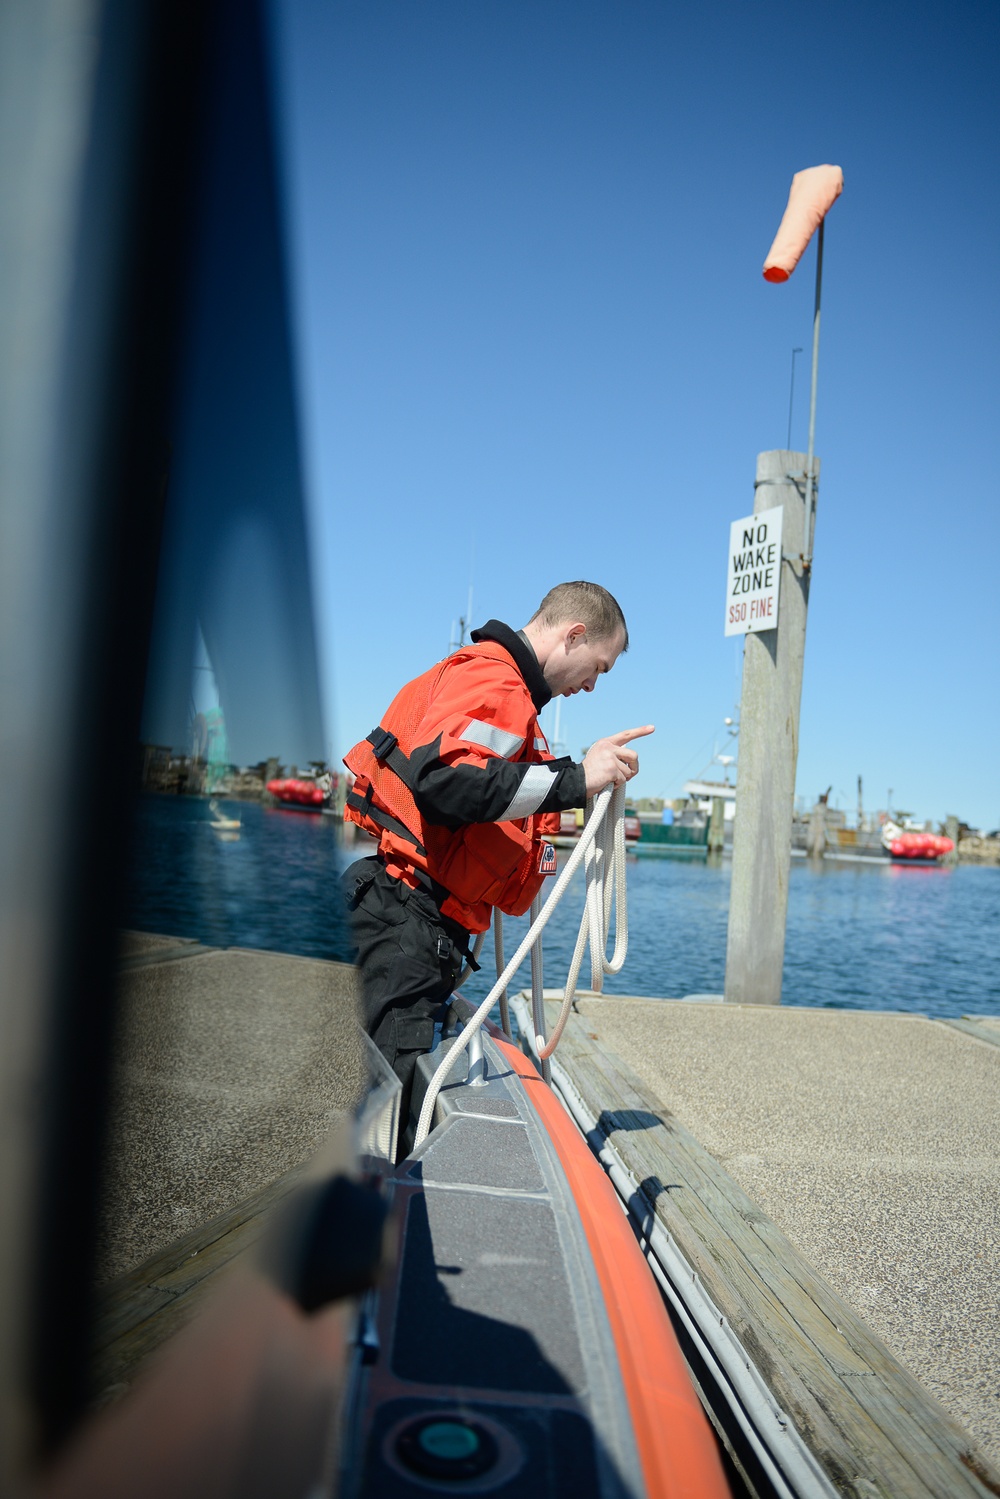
(833, 1178)
(232, 1066)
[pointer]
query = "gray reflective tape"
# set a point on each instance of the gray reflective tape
(531, 793)
(490, 737)
(540, 744)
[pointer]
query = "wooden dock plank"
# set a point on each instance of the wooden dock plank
(215, 1255)
(870, 1424)
(143, 1308)
(720, 1246)
(118, 1363)
(117, 1317)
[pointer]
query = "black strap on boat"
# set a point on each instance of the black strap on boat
(377, 814)
(385, 747)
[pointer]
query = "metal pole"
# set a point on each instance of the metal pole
(810, 482)
(477, 1060)
(537, 990)
(791, 397)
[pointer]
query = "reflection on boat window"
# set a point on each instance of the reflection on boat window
(232, 704)
(234, 1057)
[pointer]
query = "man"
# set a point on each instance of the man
(459, 786)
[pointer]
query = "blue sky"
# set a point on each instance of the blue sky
(534, 343)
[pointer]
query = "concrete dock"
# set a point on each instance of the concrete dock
(872, 1140)
(232, 1067)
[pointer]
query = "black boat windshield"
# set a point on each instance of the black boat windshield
(168, 807)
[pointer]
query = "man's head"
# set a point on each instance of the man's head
(577, 632)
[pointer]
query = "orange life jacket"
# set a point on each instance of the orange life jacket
(481, 864)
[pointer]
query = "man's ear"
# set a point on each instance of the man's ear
(575, 632)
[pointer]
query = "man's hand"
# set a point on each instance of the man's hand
(609, 763)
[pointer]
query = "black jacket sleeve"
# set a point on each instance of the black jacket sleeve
(494, 790)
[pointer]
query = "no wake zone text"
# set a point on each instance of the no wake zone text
(754, 572)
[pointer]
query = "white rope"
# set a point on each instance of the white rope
(606, 851)
(611, 850)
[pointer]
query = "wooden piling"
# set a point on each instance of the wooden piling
(717, 826)
(769, 742)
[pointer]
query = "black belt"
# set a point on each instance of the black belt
(453, 928)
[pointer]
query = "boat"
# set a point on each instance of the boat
(300, 793)
(221, 824)
(571, 826)
(524, 1345)
(520, 1345)
(908, 846)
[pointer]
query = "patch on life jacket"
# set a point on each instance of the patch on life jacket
(546, 859)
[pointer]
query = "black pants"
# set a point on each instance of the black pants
(409, 959)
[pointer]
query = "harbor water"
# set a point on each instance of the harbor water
(870, 936)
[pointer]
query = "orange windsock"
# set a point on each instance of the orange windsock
(813, 194)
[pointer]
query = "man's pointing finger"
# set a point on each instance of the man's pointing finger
(627, 734)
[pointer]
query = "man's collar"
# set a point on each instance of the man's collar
(519, 646)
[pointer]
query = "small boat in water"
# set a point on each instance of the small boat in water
(220, 823)
(301, 794)
(907, 846)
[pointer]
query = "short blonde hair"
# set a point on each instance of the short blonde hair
(589, 603)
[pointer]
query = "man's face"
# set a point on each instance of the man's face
(577, 662)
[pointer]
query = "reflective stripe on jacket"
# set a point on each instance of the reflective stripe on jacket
(458, 782)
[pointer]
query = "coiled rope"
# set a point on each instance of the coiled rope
(602, 846)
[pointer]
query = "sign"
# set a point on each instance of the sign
(754, 572)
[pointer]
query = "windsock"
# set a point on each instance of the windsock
(813, 194)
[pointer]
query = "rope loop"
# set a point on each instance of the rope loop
(602, 845)
(605, 871)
